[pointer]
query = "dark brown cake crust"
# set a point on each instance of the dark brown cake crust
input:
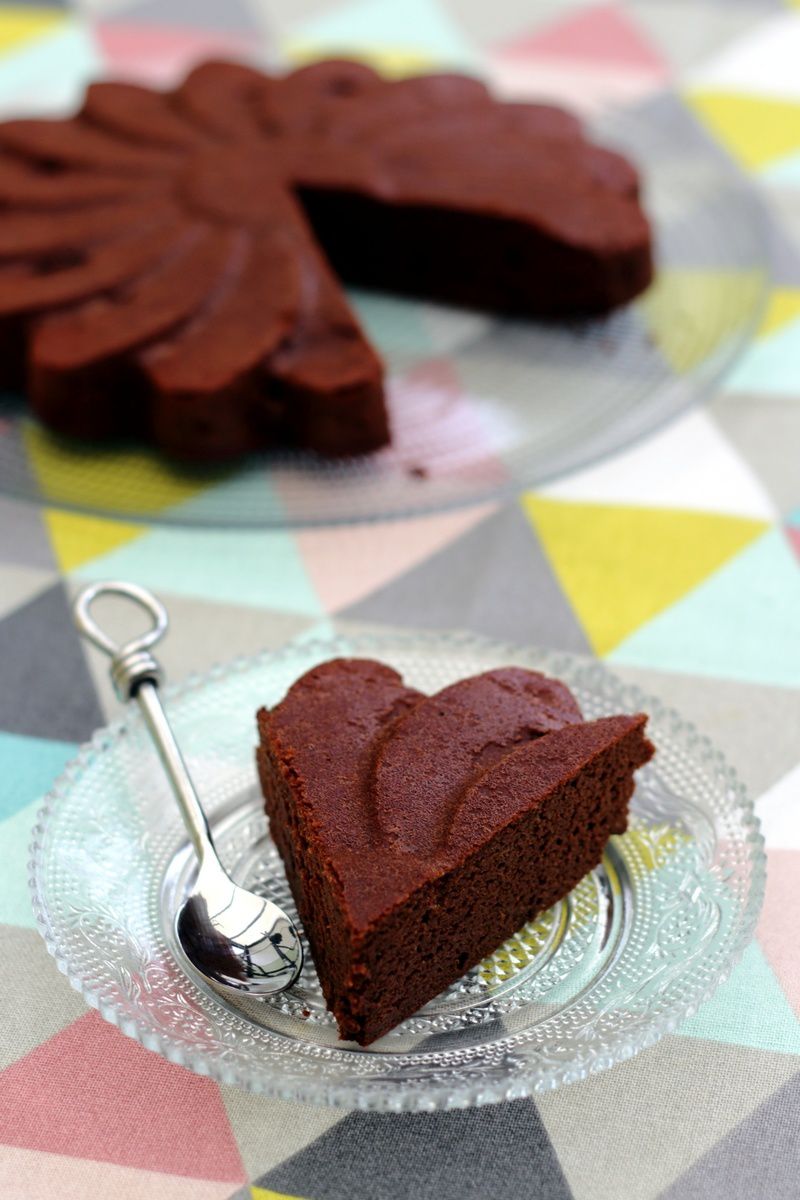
(419, 832)
(170, 263)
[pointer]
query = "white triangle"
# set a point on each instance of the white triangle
(763, 62)
(688, 465)
(778, 809)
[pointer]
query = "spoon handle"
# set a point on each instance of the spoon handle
(136, 674)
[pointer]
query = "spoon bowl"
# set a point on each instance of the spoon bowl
(237, 939)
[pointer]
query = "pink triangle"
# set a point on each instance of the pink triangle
(793, 534)
(780, 919)
(36, 1173)
(345, 570)
(161, 55)
(90, 1092)
(601, 34)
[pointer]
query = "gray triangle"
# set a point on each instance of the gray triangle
(36, 1001)
(685, 41)
(759, 1157)
(47, 691)
(766, 432)
(501, 1151)
(23, 536)
(494, 580)
(783, 234)
(753, 724)
(234, 16)
(677, 126)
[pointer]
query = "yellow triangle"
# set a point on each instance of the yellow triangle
(691, 312)
(119, 481)
(783, 307)
(395, 62)
(259, 1193)
(755, 129)
(77, 539)
(21, 24)
(620, 566)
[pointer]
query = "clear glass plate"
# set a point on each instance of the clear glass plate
(637, 946)
(480, 406)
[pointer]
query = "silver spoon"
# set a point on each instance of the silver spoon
(237, 940)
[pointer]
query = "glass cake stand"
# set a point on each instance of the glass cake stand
(480, 406)
(638, 945)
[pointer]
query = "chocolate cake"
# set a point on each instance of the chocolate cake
(419, 832)
(170, 263)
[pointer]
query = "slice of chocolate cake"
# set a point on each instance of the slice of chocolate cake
(419, 832)
(171, 264)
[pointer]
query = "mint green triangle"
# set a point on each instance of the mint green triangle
(55, 67)
(771, 364)
(396, 326)
(415, 26)
(749, 1010)
(261, 568)
(15, 838)
(247, 494)
(785, 171)
(741, 623)
(28, 767)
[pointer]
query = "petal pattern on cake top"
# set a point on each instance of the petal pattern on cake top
(171, 263)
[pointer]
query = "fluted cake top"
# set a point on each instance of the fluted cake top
(170, 263)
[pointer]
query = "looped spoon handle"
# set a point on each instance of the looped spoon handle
(136, 675)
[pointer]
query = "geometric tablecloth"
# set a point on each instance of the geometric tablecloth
(678, 562)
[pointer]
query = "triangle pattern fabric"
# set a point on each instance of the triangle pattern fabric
(55, 1176)
(779, 812)
(160, 56)
(761, 63)
(619, 566)
(780, 919)
(399, 39)
(258, 1193)
(38, 643)
(15, 839)
(515, 598)
(786, 171)
(689, 463)
(752, 1159)
(21, 23)
(124, 482)
(770, 365)
(21, 584)
(765, 431)
(233, 16)
(77, 539)
(694, 293)
(416, 1154)
(685, 43)
(604, 1128)
(89, 1092)
(749, 1010)
(750, 605)
(755, 129)
(36, 1003)
(291, 1127)
(240, 568)
(783, 307)
(23, 536)
(599, 33)
(344, 571)
(28, 767)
